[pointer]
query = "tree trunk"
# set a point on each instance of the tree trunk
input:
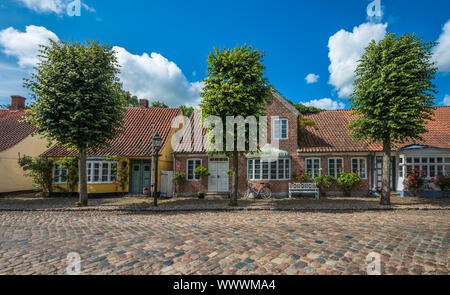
(83, 179)
(234, 195)
(386, 192)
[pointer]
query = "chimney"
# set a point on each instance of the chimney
(17, 103)
(143, 103)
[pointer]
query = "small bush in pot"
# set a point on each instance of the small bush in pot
(324, 182)
(201, 195)
(347, 182)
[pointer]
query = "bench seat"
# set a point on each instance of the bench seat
(304, 188)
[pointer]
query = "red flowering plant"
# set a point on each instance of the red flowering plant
(301, 177)
(442, 180)
(415, 181)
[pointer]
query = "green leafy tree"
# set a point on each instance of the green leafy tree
(158, 104)
(393, 95)
(235, 86)
(307, 109)
(77, 99)
(131, 100)
(41, 170)
(187, 111)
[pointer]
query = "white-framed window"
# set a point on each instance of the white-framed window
(59, 174)
(101, 171)
(333, 166)
(258, 169)
(313, 166)
(431, 166)
(280, 128)
(191, 165)
(360, 164)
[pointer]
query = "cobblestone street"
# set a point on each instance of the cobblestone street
(410, 242)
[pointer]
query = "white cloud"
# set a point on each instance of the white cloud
(25, 45)
(51, 6)
(156, 78)
(442, 51)
(345, 50)
(312, 78)
(325, 103)
(447, 100)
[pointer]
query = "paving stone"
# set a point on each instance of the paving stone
(264, 242)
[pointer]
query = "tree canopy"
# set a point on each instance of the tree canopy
(393, 95)
(77, 99)
(158, 104)
(235, 86)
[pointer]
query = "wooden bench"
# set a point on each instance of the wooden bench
(304, 188)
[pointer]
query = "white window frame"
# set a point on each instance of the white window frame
(58, 167)
(359, 166)
(279, 120)
(336, 168)
(90, 172)
(196, 176)
(286, 172)
(313, 174)
(426, 167)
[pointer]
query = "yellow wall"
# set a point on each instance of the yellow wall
(98, 188)
(165, 163)
(12, 177)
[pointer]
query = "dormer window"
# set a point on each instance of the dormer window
(280, 129)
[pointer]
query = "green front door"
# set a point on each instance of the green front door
(140, 176)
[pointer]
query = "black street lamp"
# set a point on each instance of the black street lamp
(156, 143)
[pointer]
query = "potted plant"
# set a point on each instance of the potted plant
(347, 182)
(203, 172)
(201, 195)
(324, 182)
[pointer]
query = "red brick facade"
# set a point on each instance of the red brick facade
(280, 108)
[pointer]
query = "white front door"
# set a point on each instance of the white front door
(218, 180)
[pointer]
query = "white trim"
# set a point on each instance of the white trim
(187, 169)
(320, 166)
(280, 128)
(286, 164)
(335, 158)
(59, 174)
(90, 177)
(359, 166)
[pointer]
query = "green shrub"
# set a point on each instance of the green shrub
(348, 182)
(324, 182)
(302, 177)
(41, 170)
(202, 171)
(179, 178)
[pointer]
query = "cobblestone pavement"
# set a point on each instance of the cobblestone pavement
(414, 242)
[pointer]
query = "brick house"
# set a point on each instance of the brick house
(319, 151)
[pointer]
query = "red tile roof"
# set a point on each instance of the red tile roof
(136, 140)
(333, 133)
(11, 130)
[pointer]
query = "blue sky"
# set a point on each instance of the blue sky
(163, 45)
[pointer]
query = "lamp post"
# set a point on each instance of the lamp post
(156, 143)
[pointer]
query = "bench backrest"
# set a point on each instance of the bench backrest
(303, 186)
